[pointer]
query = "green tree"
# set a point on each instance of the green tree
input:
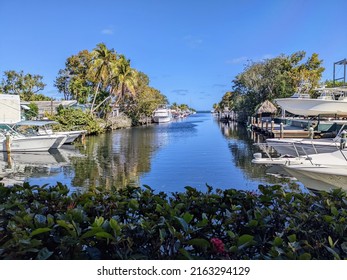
(101, 68)
(273, 78)
(125, 79)
(25, 85)
(33, 112)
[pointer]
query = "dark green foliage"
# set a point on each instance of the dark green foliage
(132, 223)
(75, 119)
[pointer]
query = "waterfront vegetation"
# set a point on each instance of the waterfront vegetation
(272, 78)
(42, 222)
(101, 79)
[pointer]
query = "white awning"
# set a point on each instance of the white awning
(25, 107)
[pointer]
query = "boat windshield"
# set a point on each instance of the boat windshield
(300, 95)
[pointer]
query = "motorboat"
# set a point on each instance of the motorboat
(162, 114)
(45, 128)
(336, 159)
(301, 146)
(306, 146)
(319, 177)
(12, 141)
(71, 136)
(281, 160)
(332, 101)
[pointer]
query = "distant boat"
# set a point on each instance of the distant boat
(162, 114)
(332, 101)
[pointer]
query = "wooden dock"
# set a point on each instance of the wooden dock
(270, 129)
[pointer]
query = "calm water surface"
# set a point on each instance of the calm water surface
(193, 152)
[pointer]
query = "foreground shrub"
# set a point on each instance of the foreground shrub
(133, 223)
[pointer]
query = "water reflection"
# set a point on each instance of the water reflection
(192, 152)
(241, 144)
(15, 168)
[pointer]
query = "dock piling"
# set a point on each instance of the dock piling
(281, 130)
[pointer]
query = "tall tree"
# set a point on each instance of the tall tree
(273, 78)
(125, 79)
(102, 62)
(73, 80)
(26, 85)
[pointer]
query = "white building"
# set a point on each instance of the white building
(10, 110)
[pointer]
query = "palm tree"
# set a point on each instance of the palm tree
(125, 79)
(102, 63)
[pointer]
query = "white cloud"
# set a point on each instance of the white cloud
(107, 31)
(244, 59)
(237, 60)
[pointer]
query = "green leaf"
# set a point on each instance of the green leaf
(252, 223)
(292, 238)
(162, 234)
(334, 211)
(202, 223)
(344, 247)
(305, 256)
(92, 232)
(44, 254)
(158, 208)
(331, 243)
(134, 204)
(332, 251)
(98, 221)
(115, 226)
(188, 217)
(243, 239)
(104, 234)
(39, 230)
(328, 218)
(185, 254)
(278, 241)
(199, 242)
(231, 234)
(183, 223)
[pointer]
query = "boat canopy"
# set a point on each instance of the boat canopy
(36, 123)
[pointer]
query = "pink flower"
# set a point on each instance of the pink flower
(218, 245)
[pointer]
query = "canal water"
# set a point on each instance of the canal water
(194, 151)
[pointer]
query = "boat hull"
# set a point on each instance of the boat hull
(71, 135)
(319, 177)
(313, 107)
(28, 144)
(160, 119)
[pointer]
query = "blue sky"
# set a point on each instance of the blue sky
(190, 49)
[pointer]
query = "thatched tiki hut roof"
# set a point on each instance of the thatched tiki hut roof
(266, 107)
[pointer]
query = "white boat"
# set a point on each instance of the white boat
(332, 101)
(336, 159)
(306, 146)
(319, 177)
(282, 160)
(45, 128)
(71, 136)
(300, 146)
(318, 171)
(21, 143)
(162, 114)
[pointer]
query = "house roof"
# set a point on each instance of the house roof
(266, 107)
(48, 106)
